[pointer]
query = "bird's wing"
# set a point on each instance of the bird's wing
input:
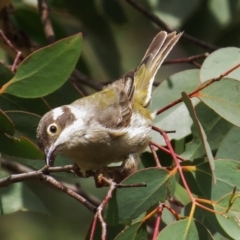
(116, 103)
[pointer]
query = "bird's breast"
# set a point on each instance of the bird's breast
(100, 146)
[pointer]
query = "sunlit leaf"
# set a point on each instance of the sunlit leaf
(176, 118)
(187, 229)
(215, 128)
(201, 132)
(229, 222)
(223, 97)
(227, 176)
(220, 62)
(229, 147)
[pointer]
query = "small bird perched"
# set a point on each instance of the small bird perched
(112, 125)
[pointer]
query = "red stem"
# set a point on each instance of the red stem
(158, 221)
(198, 89)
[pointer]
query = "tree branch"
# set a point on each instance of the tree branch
(164, 26)
(25, 173)
(47, 24)
(81, 78)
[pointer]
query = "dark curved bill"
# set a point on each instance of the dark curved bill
(50, 156)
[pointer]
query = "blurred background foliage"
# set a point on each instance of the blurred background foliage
(115, 37)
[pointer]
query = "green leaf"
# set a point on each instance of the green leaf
(187, 229)
(220, 62)
(128, 203)
(229, 147)
(32, 163)
(18, 197)
(9, 102)
(134, 232)
(201, 132)
(6, 125)
(223, 97)
(5, 74)
(190, 177)
(25, 123)
(215, 128)
(227, 176)
(230, 221)
(19, 147)
(45, 70)
(177, 117)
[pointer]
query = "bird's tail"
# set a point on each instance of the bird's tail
(144, 74)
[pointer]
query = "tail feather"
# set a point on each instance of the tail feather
(145, 73)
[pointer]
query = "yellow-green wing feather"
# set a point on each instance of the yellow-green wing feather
(158, 50)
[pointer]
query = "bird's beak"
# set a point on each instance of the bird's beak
(50, 155)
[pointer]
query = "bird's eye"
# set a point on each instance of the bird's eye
(52, 129)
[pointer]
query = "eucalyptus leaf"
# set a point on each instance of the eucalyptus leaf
(10, 102)
(216, 128)
(19, 147)
(134, 232)
(6, 125)
(220, 62)
(177, 117)
(229, 147)
(223, 97)
(45, 70)
(25, 123)
(201, 132)
(18, 197)
(227, 223)
(128, 203)
(227, 176)
(187, 229)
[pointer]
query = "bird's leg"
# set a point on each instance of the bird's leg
(131, 162)
(83, 174)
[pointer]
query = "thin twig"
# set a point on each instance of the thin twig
(98, 214)
(165, 149)
(29, 174)
(52, 181)
(190, 59)
(18, 53)
(197, 64)
(164, 26)
(83, 79)
(155, 156)
(195, 92)
(45, 18)
(177, 164)
(142, 184)
(158, 221)
(8, 42)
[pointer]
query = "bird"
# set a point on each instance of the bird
(109, 126)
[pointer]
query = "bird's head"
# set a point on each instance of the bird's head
(50, 130)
